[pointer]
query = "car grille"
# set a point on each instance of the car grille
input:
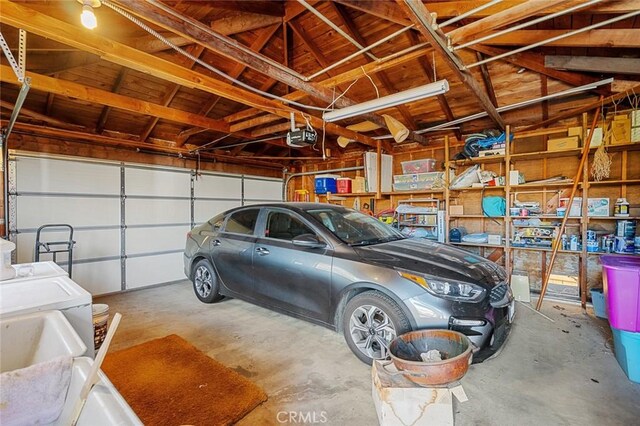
(499, 296)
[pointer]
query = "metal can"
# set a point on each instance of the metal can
(592, 236)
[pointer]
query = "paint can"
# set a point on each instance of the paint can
(591, 235)
(561, 211)
(514, 211)
(621, 208)
(100, 319)
(524, 212)
(624, 245)
(626, 228)
(592, 246)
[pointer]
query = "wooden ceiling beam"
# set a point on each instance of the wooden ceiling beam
(104, 114)
(102, 97)
(380, 9)
(242, 22)
(593, 64)
(196, 51)
(535, 62)
(421, 17)
(70, 135)
(22, 17)
(425, 68)
(486, 78)
(258, 44)
(192, 29)
(370, 69)
(348, 23)
(503, 18)
(42, 117)
(609, 38)
(271, 8)
(450, 9)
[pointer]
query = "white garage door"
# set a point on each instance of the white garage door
(130, 221)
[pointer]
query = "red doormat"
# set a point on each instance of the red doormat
(168, 381)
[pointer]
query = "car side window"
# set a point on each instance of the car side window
(284, 226)
(242, 222)
(216, 223)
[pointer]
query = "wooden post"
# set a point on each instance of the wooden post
(379, 172)
(507, 194)
(584, 222)
(576, 182)
(446, 189)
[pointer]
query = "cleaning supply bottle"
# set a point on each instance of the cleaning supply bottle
(6, 270)
(621, 208)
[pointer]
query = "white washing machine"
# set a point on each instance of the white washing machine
(43, 291)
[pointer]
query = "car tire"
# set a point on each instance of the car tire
(205, 282)
(370, 321)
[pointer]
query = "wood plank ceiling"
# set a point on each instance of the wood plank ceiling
(121, 85)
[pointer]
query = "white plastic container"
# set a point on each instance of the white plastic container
(104, 407)
(6, 271)
(38, 337)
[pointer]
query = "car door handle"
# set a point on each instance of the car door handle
(216, 243)
(262, 251)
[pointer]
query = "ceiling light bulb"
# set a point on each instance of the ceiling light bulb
(88, 18)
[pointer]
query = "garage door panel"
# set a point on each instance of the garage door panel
(206, 209)
(150, 182)
(98, 277)
(33, 212)
(154, 212)
(218, 187)
(62, 176)
(149, 240)
(263, 189)
(90, 244)
(149, 270)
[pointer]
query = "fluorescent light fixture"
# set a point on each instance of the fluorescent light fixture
(415, 94)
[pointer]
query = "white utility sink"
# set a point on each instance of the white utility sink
(104, 406)
(38, 337)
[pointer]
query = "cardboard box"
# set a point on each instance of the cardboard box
(620, 130)
(635, 125)
(494, 239)
(576, 131)
(562, 144)
(598, 207)
(358, 185)
(456, 210)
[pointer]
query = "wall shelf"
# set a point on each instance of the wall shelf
(478, 245)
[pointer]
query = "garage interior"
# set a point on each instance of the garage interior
(508, 129)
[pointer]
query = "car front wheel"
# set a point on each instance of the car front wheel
(205, 282)
(371, 320)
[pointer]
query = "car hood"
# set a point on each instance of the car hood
(432, 258)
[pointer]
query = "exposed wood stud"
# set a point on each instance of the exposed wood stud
(486, 78)
(594, 64)
(104, 115)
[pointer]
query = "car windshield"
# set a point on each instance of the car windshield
(355, 228)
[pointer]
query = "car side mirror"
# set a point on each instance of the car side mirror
(308, 241)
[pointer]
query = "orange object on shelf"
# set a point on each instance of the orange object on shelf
(301, 195)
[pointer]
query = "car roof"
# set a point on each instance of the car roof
(295, 206)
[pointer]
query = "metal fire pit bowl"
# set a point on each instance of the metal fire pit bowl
(454, 347)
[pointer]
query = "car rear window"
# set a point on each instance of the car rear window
(242, 222)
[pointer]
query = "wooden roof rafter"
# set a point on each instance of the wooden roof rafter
(422, 19)
(38, 23)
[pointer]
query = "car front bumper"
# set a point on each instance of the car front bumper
(485, 326)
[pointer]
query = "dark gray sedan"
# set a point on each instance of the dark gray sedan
(345, 270)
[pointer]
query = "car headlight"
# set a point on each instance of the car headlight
(448, 289)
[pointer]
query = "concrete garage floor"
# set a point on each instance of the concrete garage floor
(560, 373)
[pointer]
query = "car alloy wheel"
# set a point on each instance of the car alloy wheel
(203, 281)
(372, 331)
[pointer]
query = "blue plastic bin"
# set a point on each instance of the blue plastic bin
(599, 303)
(326, 183)
(626, 345)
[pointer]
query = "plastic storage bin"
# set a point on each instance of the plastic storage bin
(419, 166)
(343, 185)
(326, 183)
(621, 281)
(599, 303)
(627, 348)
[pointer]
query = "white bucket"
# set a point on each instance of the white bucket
(100, 320)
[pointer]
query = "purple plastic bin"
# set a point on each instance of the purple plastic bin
(621, 282)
